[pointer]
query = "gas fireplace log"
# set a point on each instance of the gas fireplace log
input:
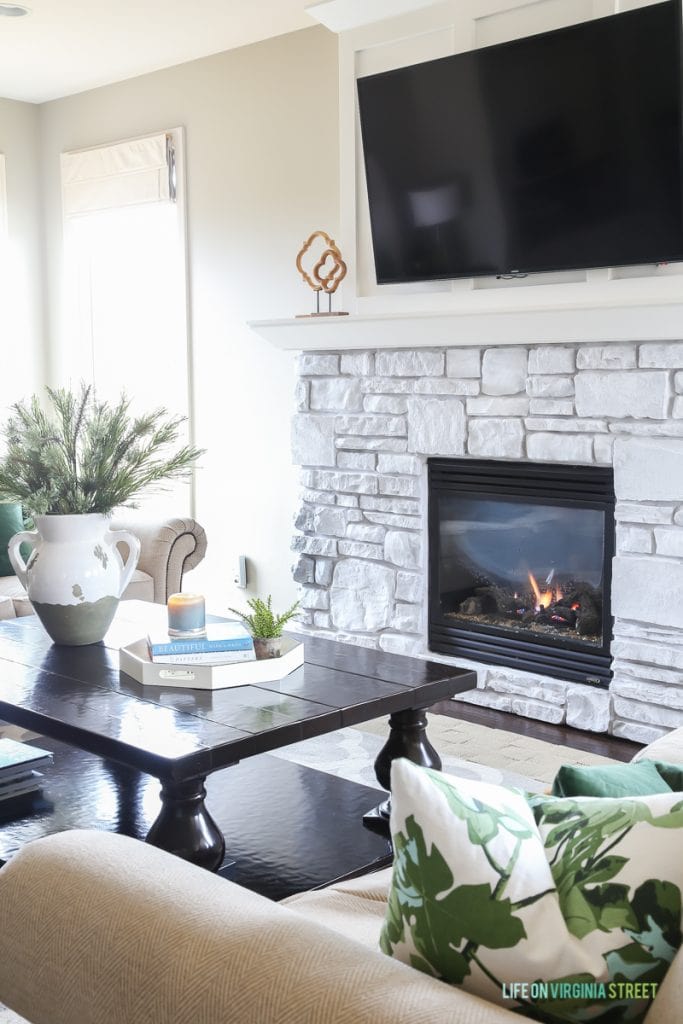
(497, 599)
(587, 602)
(581, 588)
(562, 616)
(588, 619)
(579, 608)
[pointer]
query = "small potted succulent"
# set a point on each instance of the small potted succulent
(265, 626)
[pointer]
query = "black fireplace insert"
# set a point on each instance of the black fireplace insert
(520, 558)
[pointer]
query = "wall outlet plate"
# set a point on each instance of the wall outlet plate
(240, 579)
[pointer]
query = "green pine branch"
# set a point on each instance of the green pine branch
(81, 455)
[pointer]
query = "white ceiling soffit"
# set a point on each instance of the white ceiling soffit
(69, 46)
(342, 15)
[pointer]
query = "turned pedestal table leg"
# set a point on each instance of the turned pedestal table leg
(185, 827)
(407, 738)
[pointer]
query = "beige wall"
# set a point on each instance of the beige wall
(261, 156)
(21, 294)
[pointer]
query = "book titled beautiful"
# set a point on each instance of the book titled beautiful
(225, 642)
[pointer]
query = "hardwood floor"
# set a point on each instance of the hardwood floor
(595, 743)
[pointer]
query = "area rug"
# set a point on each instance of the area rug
(466, 749)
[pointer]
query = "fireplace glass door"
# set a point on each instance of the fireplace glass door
(520, 560)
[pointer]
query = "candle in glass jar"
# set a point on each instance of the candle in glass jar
(186, 615)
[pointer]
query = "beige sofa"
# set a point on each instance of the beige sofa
(100, 929)
(170, 547)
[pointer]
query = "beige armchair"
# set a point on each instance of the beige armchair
(170, 548)
(97, 928)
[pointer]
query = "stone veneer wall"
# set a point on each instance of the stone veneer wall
(366, 423)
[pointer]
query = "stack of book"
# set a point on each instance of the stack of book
(225, 643)
(18, 768)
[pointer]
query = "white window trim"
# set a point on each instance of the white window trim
(3, 195)
(178, 136)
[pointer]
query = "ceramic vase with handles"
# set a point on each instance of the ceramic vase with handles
(74, 575)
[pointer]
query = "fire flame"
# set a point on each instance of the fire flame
(547, 597)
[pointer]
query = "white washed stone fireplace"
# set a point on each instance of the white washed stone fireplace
(366, 424)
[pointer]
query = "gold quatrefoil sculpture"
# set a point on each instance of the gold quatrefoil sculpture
(328, 272)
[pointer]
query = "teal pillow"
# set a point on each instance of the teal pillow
(11, 522)
(638, 778)
(672, 775)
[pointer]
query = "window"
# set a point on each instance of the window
(125, 280)
(9, 332)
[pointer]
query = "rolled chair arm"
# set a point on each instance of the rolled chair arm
(170, 548)
(96, 928)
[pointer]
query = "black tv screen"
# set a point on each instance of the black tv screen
(555, 152)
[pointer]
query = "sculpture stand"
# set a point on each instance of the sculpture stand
(327, 274)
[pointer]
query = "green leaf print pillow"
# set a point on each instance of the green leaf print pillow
(553, 907)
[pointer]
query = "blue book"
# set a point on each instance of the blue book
(221, 638)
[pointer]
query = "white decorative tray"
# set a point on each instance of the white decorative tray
(135, 661)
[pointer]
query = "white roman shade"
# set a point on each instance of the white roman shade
(125, 174)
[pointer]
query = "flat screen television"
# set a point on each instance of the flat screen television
(554, 152)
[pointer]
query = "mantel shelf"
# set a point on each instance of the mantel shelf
(660, 320)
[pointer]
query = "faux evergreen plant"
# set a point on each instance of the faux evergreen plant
(82, 455)
(262, 622)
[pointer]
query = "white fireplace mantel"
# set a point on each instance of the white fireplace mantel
(660, 320)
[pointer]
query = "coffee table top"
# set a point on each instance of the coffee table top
(78, 695)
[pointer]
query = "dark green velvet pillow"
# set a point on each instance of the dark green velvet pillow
(11, 522)
(672, 775)
(638, 778)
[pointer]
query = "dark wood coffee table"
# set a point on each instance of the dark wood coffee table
(78, 696)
